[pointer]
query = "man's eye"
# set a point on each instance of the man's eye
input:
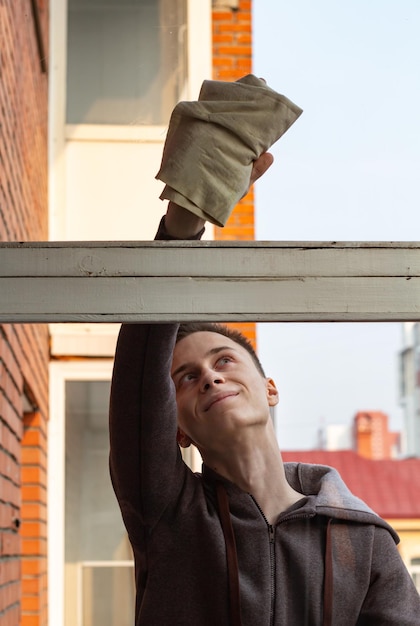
(224, 360)
(187, 378)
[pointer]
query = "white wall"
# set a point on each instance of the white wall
(102, 178)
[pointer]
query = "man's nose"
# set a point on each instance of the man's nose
(210, 378)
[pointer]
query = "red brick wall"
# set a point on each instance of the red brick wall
(24, 349)
(232, 42)
(232, 59)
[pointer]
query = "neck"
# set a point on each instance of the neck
(255, 465)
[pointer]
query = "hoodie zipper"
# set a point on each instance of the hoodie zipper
(271, 533)
(271, 540)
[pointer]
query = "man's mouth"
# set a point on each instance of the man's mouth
(218, 398)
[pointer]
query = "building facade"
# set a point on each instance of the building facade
(24, 349)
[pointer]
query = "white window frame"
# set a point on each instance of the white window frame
(98, 565)
(199, 15)
(60, 373)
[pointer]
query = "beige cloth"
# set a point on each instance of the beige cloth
(211, 144)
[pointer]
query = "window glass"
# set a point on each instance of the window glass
(99, 573)
(126, 60)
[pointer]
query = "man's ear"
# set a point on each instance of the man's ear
(272, 393)
(183, 440)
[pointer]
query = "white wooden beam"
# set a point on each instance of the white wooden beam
(229, 281)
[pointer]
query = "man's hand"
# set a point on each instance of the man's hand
(260, 166)
(182, 224)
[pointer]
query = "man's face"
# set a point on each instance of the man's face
(219, 390)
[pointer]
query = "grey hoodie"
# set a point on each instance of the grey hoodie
(204, 553)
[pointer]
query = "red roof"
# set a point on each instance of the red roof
(390, 487)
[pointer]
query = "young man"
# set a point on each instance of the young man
(250, 540)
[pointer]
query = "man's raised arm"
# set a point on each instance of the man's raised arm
(145, 461)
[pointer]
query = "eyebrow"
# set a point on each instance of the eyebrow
(187, 366)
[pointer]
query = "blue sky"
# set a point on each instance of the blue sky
(348, 170)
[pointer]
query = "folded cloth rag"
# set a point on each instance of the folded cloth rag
(211, 144)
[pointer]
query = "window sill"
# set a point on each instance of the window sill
(118, 133)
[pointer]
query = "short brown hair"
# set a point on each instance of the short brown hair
(231, 333)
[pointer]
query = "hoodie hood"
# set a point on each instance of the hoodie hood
(331, 496)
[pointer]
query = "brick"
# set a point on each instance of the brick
(34, 547)
(227, 38)
(33, 529)
(34, 585)
(9, 544)
(34, 437)
(31, 620)
(33, 475)
(10, 364)
(244, 64)
(33, 512)
(244, 39)
(9, 570)
(235, 50)
(31, 603)
(10, 416)
(11, 616)
(222, 15)
(8, 466)
(7, 514)
(235, 28)
(34, 493)
(223, 62)
(33, 567)
(35, 420)
(34, 456)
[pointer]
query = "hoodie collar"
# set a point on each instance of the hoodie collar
(333, 497)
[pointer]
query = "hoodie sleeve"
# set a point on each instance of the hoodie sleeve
(392, 599)
(145, 462)
(146, 466)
